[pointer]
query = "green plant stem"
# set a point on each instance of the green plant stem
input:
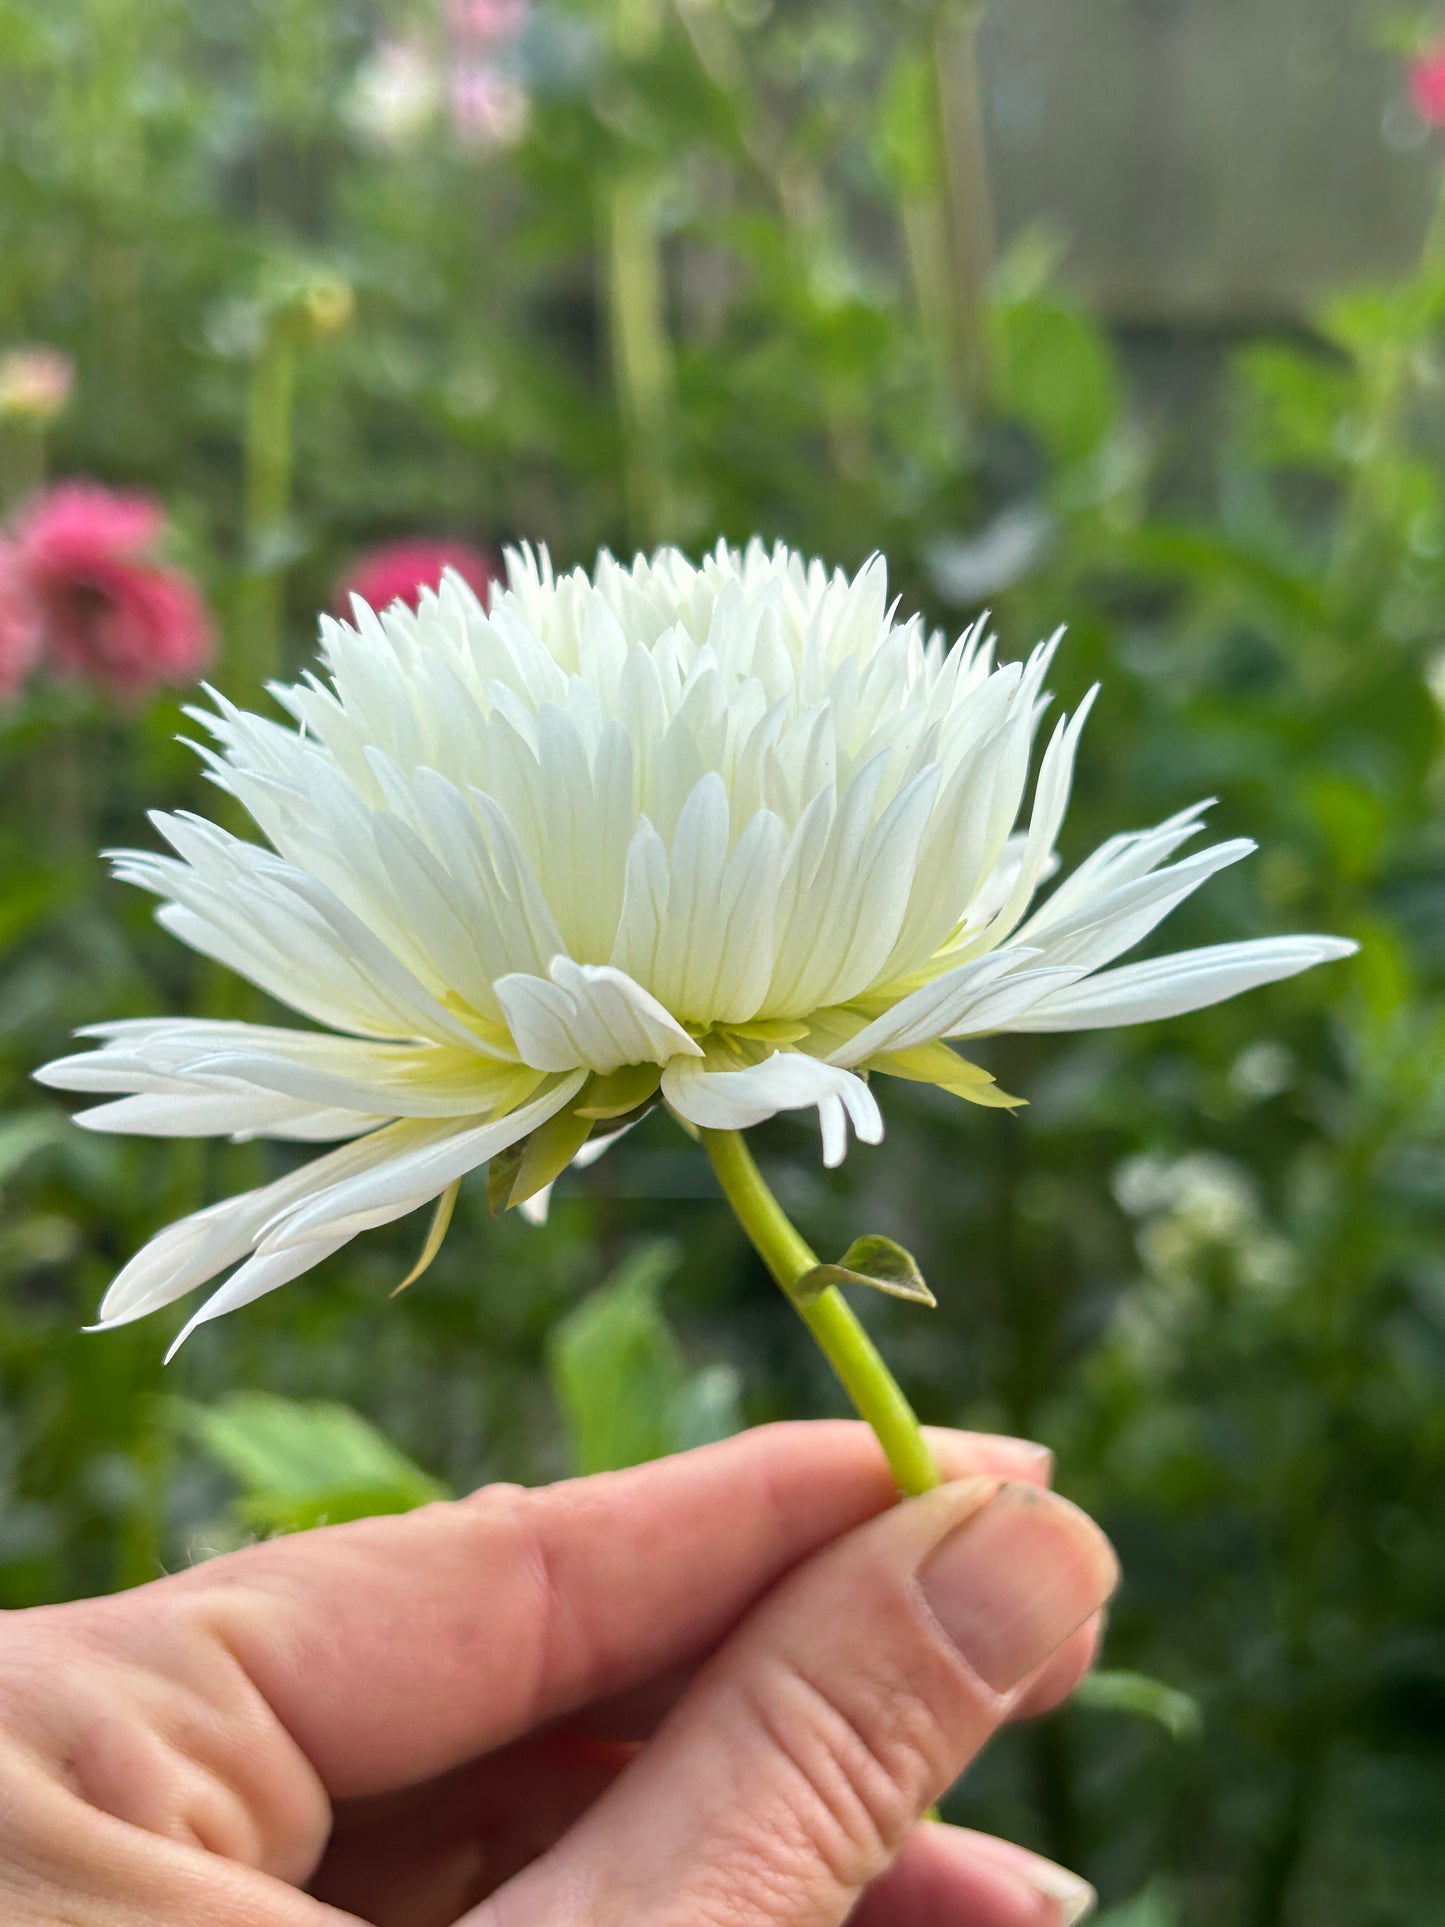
(967, 200)
(827, 1314)
(1389, 383)
(641, 354)
(270, 409)
(947, 223)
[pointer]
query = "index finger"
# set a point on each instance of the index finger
(396, 1649)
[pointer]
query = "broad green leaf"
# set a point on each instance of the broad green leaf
(1178, 1713)
(25, 1133)
(1297, 398)
(1212, 562)
(907, 136)
(1055, 372)
(1155, 1907)
(876, 1261)
(301, 1465)
(616, 1368)
(708, 1408)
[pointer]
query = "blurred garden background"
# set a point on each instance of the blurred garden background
(1128, 314)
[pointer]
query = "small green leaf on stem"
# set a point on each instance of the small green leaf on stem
(876, 1261)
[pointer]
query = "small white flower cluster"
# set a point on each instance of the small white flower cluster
(733, 836)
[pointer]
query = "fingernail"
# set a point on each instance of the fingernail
(1069, 1898)
(1042, 1460)
(1074, 1898)
(1012, 1581)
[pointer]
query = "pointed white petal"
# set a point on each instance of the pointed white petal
(194, 1076)
(194, 1249)
(936, 1009)
(1104, 928)
(1119, 860)
(217, 1113)
(422, 1167)
(1188, 980)
(1051, 798)
(592, 1015)
(786, 1081)
(262, 1272)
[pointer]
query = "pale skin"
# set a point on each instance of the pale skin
(719, 1691)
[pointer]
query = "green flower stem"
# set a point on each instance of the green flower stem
(827, 1314)
(643, 372)
(270, 409)
(642, 363)
(967, 201)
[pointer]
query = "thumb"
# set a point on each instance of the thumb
(794, 1769)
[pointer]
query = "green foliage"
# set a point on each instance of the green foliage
(1114, 1692)
(879, 1262)
(1155, 1907)
(299, 1465)
(619, 1377)
(1054, 373)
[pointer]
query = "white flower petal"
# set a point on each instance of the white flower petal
(420, 1170)
(1107, 926)
(592, 1015)
(692, 933)
(1002, 1003)
(1188, 980)
(935, 1009)
(1118, 860)
(786, 1081)
(194, 1249)
(1051, 798)
(207, 1077)
(262, 1272)
(218, 1113)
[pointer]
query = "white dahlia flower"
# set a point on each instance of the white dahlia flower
(733, 836)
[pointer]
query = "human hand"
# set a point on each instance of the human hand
(715, 1691)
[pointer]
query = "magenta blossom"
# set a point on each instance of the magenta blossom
(399, 571)
(108, 612)
(1427, 85)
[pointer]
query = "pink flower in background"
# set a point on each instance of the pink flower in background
(1427, 85)
(490, 107)
(107, 611)
(488, 19)
(19, 629)
(399, 571)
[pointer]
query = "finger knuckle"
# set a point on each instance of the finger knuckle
(859, 1758)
